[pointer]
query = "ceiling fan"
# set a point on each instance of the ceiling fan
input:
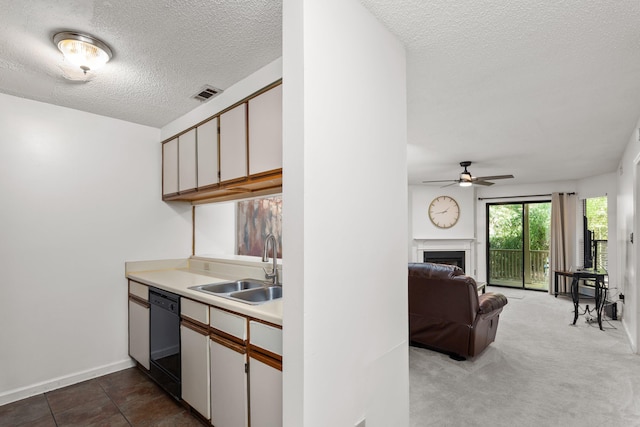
(467, 180)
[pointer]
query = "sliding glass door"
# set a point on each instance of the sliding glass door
(518, 244)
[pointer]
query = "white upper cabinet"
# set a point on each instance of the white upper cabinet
(187, 161)
(265, 131)
(233, 143)
(229, 155)
(170, 167)
(208, 153)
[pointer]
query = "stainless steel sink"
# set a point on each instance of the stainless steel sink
(258, 295)
(249, 291)
(228, 287)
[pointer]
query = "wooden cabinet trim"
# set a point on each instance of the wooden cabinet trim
(194, 326)
(136, 299)
(252, 186)
(266, 360)
(266, 353)
(227, 336)
(224, 341)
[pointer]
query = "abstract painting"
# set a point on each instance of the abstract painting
(257, 218)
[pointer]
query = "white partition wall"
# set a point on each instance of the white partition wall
(344, 218)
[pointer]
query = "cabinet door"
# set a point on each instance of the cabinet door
(265, 395)
(208, 153)
(265, 131)
(170, 167)
(139, 332)
(228, 385)
(187, 161)
(194, 347)
(233, 143)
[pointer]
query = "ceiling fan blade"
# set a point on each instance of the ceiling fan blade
(449, 185)
(487, 178)
(441, 180)
(485, 183)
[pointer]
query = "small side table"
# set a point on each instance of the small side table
(481, 286)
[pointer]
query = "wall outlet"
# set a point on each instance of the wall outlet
(360, 423)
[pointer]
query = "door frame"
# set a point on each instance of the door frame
(488, 248)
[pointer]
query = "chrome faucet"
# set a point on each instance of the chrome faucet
(273, 275)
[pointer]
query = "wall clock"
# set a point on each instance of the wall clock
(444, 212)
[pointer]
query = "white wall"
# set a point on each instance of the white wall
(81, 194)
(215, 229)
(420, 198)
(628, 199)
(344, 218)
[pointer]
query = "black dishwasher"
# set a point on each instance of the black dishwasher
(164, 340)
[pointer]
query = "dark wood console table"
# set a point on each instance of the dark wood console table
(555, 281)
(600, 290)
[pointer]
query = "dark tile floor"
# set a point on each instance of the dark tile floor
(124, 398)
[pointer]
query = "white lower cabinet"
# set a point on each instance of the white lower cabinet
(265, 393)
(139, 323)
(194, 347)
(229, 398)
(265, 374)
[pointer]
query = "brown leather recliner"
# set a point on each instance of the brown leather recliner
(446, 313)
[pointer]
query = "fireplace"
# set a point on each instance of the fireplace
(445, 257)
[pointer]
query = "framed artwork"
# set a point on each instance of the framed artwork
(255, 219)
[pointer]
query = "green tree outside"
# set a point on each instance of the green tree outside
(596, 210)
(505, 226)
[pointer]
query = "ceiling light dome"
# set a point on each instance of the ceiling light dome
(82, 50)
(466, 179)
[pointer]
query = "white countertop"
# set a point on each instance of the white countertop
(178, 280)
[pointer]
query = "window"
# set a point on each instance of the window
(595, 233)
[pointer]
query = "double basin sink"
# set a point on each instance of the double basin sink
(249, 291)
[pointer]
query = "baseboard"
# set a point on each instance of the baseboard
(56, 383)
(632, 342)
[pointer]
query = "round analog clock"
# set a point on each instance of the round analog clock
(444, 212)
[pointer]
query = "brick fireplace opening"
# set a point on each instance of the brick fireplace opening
(445, 257)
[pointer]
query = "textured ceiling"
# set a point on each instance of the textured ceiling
(545, 90)
(164, 52)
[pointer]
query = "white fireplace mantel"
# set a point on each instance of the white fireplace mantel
(467, 245)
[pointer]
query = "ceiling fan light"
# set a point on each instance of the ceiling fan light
(83, 50)
(465, 184)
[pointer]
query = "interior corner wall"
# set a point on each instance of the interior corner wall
(628, 175)
(345, 218)
(81, 194)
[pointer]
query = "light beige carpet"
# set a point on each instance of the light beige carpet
(540, 371)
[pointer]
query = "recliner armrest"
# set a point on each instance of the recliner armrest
(490, 302)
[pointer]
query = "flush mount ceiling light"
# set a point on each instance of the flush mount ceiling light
(82, 50)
